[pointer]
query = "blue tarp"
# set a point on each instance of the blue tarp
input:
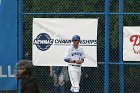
(8, 43)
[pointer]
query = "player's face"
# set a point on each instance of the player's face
(76, 42)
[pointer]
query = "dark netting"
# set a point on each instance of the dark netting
(63, 5)
(131, 6)
(131, 20)
(114, 38)
(113, 78)
(114, 5)
(131, 71)
(92, 80)
(132, 78)
(45, 83)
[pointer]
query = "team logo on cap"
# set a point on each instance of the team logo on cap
(43, 41)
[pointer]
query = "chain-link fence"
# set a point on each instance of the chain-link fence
(93, 81)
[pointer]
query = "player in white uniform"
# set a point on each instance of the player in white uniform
(74, 55)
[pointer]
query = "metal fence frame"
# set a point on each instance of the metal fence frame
(107, 14)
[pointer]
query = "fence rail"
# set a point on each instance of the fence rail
(112, 74)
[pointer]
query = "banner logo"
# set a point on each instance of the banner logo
(136, 43)
(43, 41)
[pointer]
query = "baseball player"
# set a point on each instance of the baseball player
(74, 55)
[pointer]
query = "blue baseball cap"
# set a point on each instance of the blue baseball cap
(76, 38)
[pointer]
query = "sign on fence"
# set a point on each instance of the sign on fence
(51, 37)
(131, 43)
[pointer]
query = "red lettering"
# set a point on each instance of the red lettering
(135, 39)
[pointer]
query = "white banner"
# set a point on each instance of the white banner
(131, 43)
(51, 37)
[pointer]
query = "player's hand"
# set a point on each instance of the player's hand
(78, 61)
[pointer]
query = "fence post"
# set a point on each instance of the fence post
(121, 45)
(19, 36)
(107, 30)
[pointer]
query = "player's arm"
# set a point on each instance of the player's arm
(69, 60)
(67, 56)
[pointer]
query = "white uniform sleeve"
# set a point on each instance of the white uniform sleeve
(67, 54)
